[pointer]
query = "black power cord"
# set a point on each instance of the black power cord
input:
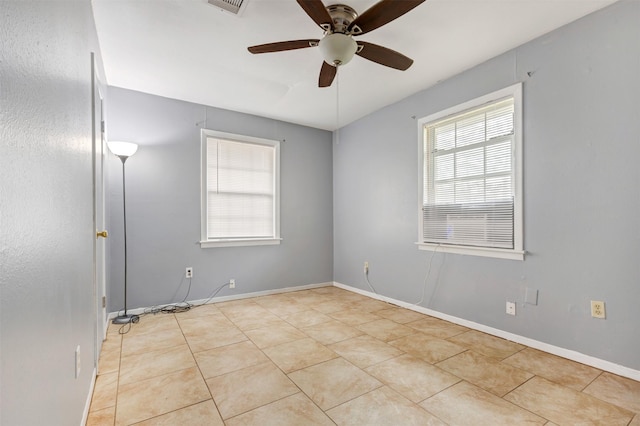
(172, 308)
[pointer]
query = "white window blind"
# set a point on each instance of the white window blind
(469, 178)
(241, 190)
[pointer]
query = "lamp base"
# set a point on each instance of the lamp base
(126, 319)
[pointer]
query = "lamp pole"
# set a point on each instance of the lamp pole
(124, 150)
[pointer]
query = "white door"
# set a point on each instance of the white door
(99, 153)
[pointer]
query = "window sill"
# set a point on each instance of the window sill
(474, 251)
(240, 242)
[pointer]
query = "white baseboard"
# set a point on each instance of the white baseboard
(139, 311)
(545, 347)
(87, 404)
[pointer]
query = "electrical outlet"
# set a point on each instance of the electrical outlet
(511, 308)
(366, 267)
(232, 283)
(189, 272)
(597, 309)
(77, 361)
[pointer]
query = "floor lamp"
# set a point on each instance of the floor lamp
(124, 150)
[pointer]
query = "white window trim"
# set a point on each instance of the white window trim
(239, 242)
(518, 252)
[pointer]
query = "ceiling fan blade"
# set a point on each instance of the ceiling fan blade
(380, 14)
(317, 11)
(384, 56)
(327, 74)
(283, 45)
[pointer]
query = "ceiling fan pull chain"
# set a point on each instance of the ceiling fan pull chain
(338, 72)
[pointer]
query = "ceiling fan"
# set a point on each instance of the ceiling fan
(340, 23)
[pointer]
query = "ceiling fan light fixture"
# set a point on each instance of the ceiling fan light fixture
(337, 49)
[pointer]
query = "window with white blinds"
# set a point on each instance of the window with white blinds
(471, 178)
(240, 190)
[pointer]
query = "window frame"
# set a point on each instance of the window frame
(205, 241)
(518, 252)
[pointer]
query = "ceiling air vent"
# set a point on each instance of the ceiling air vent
(232, 6)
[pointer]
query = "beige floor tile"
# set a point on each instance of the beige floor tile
(437, 327)
(400, 315)
(159, 395)
(333, 382)
(207, 333)
(486, 344)
(365, 351)
(308, 297)
(257, 318)
(329, 289)
(465, 404)
(305, 318)
(383, 406)
(294, 410)
(113, 342)
(385, 329)
(240, 307)
(225, 359)
(411, 377)
(199, 311)
(485, 372)
(146, 365)
(428, 348)
(104, 417)
(243, 377)
(192, 326)
(559, 370)
(299, 354)
(252, 387)
(280, 305)
(132, 344)
(563, 405)
(236, 304)
(113, 330)
(354, 316)
(202, 413)
(617, 390)
(333, 305)
(105, 392)
(215, 339)
(371, 305)
(352, 297)
(109, 361)
(151, 323)
(273, 299)
(331, 332)
(274, 335)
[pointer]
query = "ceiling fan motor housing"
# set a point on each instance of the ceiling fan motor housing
(341, 15)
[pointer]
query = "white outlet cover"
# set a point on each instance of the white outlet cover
(511, 308)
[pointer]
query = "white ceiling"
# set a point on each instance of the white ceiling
(192, 51)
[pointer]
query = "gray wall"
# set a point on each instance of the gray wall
(581, 176)
(46, 224)
(163, 204)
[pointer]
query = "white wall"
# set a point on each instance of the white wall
(46, 211)
(581, 205)
(163, 205)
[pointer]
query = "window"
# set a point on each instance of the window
(472, 177)
(240, 190)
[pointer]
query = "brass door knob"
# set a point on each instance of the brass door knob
(102, 234)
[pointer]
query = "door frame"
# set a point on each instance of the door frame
(99, 243)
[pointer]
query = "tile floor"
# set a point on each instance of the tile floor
(328, 356)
